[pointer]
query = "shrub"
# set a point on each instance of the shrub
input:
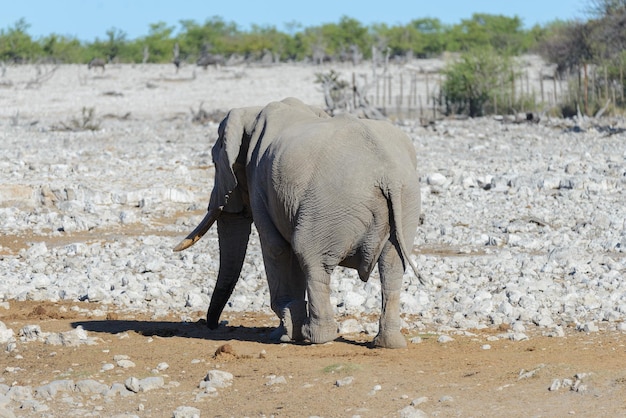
(477, 81)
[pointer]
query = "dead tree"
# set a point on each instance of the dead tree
(146, 54)
(341, 96)
(176, 59)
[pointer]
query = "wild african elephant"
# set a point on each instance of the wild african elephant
(323, 192)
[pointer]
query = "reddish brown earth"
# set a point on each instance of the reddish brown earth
(458, 378)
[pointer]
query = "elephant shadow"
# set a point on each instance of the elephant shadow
(167, 329)
(195, 330)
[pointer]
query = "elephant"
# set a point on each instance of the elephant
(322, 192)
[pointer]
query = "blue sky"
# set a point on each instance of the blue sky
(90, 19)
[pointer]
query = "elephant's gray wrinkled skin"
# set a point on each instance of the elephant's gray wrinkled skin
(322, 192)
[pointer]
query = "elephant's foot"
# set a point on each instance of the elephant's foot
(212, 322)
(319, 333)
(294, 317)
(389, 339)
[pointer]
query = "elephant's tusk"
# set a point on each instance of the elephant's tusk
(200, 230)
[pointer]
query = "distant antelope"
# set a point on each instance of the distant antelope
(210, 59)
(96, 62)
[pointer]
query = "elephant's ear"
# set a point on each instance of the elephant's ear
(229, 155)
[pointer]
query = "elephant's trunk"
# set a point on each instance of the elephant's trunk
(233, 232)
(200, 230)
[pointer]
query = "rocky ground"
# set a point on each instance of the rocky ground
(524, 238)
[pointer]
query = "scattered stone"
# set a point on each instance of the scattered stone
(118, 389)
(344, 381)
(125, 364)
(275, 380)
(419, 401)
(518, 336)
(51, 389)
(526, 374)
(556, 385)
(350, 326)
(30, 333)
(162, 367)
(218, 379)
(6, 334)
(415, 340)
(411, 412)
(107, 366)
(443, 339)
(186, 412)
(151, 383)
(72, 338)
(589, 327)
(132, 384)
(91, 386)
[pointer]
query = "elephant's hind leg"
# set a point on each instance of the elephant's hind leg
(321, 326)
(287, 287)
(391, 270)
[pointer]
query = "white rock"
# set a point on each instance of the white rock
(91, 386)
(107, 366)
(436, 179)
(411, 412)
(416, 340)
(132, 384)
(350, 326)
(162, 366)
(186, 412)
(219, 378)
(51, 389)
(30, 333)
(125, 364)
(276, 380)
(344, 381)
(151, 383)
(6, 334)
(556, 385)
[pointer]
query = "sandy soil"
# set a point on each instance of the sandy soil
(456, 379)
(459, 378)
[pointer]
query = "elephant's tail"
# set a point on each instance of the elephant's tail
(395, 199)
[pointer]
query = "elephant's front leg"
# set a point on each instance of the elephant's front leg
(321, 326)
(391, 269)
(234, 232)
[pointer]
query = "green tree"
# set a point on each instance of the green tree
(16, 44)
(215, 35)
(61, 48)
(334, 38)
(159, 42)
(475, 79)
(431, 40)
(481, 30)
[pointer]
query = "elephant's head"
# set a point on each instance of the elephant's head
(229, 153)
(229, 205)
(230, 190)
(240, 130)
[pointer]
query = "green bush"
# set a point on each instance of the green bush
(477, 81)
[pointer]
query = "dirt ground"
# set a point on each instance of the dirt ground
(458, 378)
